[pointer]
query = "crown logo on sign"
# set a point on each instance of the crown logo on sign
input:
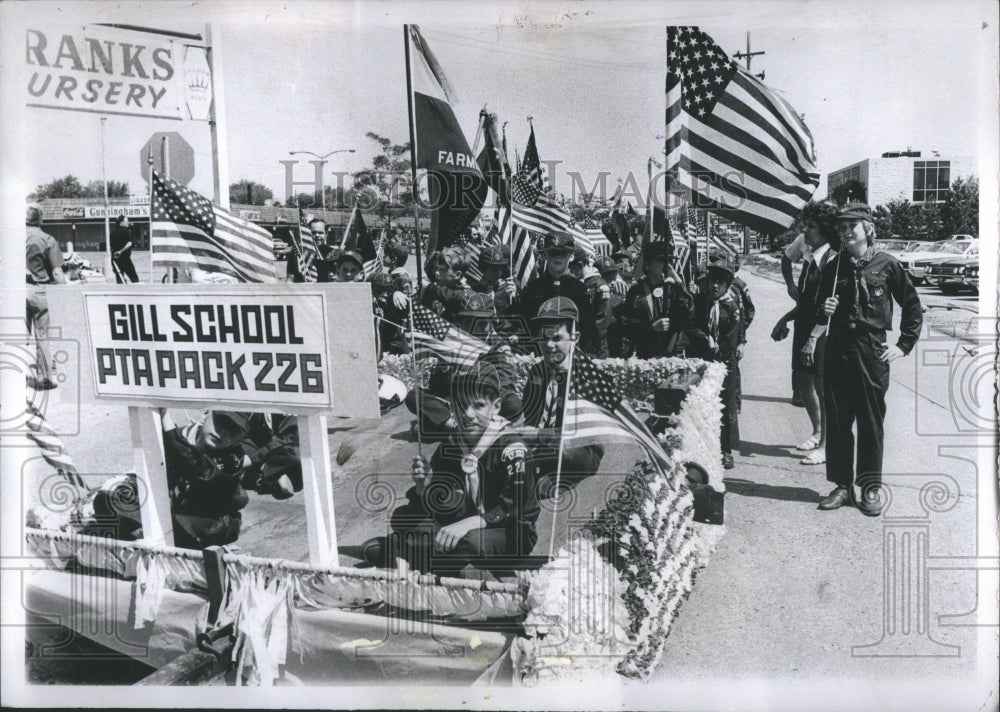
(197, 79)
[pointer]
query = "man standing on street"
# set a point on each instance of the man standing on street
(862, 282)
(43, 265)
(121, 250)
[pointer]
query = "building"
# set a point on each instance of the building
(904, 175)
(80, 221)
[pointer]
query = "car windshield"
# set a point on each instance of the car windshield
(954, 248)
(892, 245)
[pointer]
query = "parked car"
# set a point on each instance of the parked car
(916, 263)
(952, 276)
(894, 246)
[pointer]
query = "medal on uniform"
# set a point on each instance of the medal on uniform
(658, 292)
(470, 464)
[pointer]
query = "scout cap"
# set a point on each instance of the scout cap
(659, 250)
(476, 304)
(495, 256)
(723, 265)
(350, 255)
(579, 255)
(381, 282)
(558, 242)
(855, 211)
(606, 265)
(557, 309)
(481, 380)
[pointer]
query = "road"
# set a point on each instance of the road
(791, 590)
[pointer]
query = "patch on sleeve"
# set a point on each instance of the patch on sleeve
(514, 451)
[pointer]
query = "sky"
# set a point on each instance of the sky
(317, 77)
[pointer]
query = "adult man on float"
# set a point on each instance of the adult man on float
(43, 265)
(657, 308)
(861, 281)
(556, 281)
(121, 250)
(545, 397)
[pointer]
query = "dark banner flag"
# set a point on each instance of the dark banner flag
(455, 185)
(739, 149)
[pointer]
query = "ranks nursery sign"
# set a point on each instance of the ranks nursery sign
(112, 70)
(253, 351)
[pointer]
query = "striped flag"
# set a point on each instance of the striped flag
(433, 336)
(738, 148)
(187, 231)
(523, 255)
(306, 252)
(358, 239)
(581, 237)
(45, 437)
(596, 413)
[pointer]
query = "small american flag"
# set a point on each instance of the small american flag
(596, 413)
(187, 231)
(306, 251)
(432, 335)
(46, 438)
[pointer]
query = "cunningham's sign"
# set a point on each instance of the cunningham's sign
(249, 351)
(116, 71)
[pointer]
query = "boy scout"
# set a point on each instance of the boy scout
(864, 282)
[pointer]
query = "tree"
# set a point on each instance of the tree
(960, 209)
(248, 192)
(386, 188)
(70, 187)
(851, 190)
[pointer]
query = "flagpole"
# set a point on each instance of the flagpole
(559, 450)
(107, 209)
(413, 162)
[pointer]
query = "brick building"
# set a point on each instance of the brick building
(904, 175)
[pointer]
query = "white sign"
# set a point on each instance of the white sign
(197, 83)
(250, 214)
(139, 199)
(133, 211)
(253, 351)
(106, 70)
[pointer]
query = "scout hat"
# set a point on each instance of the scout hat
(476, 304)
(659, 250)
(606, 265)
(479, 380)
(558, 242)
(495, 256)
(855, 211)
(722, 264)
(557, 309)
(350, 255)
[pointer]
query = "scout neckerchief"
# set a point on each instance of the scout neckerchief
(470, 461)
(860, 283)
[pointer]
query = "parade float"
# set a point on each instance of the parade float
(603, 605)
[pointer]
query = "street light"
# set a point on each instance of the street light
(322, 193)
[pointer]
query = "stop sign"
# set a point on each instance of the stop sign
(180, 157)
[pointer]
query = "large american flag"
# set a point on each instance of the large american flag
(731, 141)
(187, 231)
(596, 413)
(432, 335)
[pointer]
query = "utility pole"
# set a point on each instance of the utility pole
(748, 56)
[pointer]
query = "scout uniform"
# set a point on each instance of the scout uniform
(545, 287)
(855, 377)
(645, 303)
(716, 333)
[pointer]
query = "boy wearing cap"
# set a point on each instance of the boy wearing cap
(657, 309)
(348, 265)
(474, 502)
(556, 281)
(204, 463)
(494, 264)
(447, 291)
(863, 282)
(717, 334)
(545, 396)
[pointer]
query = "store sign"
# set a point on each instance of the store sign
(250, 350)
(250, 214)
(113, 211)
(111, 70)
(76, 212)
(139, 199)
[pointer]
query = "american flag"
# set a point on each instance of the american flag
(46, 438)
(471, 251)
(306, 251)
(583, 237)
(358, 238)
(523, 255)
(731, 140)
(432, 335)
(187, 231)
(596, 413)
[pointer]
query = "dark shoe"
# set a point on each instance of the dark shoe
(871, 503)
(836, 499)
(727, 461)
